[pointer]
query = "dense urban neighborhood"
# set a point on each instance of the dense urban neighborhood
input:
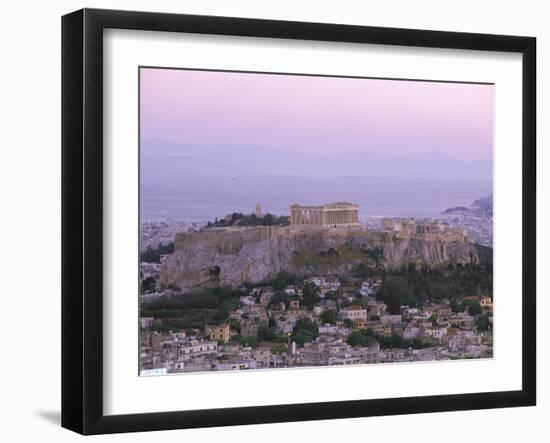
(338, 306)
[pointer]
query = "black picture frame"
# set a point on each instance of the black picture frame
(82, 215)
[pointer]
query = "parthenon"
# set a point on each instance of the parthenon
(332, 214)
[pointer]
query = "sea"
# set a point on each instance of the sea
(198, 199)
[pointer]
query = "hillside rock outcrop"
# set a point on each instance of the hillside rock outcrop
(253, 255)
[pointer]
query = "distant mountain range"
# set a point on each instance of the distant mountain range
(160, 160)
(482, 207)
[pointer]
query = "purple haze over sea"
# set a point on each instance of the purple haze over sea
(211, 141)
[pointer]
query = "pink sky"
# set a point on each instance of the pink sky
(321, 114)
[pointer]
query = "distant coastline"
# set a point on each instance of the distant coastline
(197, 199)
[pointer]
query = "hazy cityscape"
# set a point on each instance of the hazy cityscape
(366, 314)
(341, 241)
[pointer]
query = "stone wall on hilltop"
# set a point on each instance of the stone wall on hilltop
(235, 256)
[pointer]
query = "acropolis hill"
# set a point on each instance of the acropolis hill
(325, 239)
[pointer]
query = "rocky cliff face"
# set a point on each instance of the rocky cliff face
(427, 252)
(203, 262)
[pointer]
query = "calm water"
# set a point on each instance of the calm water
(205, 198)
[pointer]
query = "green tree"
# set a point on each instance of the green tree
(344, 280)
(303, 336)
(148, 284)
(417, 343)
(310, 295)
(249, 340)
(226, 307)
(283, 279)
(333, 295)
(278, 349)
(358, 338)
(328, 316)
(398, 341)
(280, 297)
(266, 334)
(363, 270)
(304, 331)
(474, 308)
(482, 323)
(395, 292)
(235, 324)
(306, 324)
(455, 306)
(152, 255)
(393, 341)
(377, 254)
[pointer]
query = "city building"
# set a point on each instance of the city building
(354, 312)
(332, 214)
(219, 332)
(486, 302)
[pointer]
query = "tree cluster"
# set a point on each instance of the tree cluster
(152, 255)
(192, 310)
(240, 219)
(304, 331)
(414, 287)
(366, 337)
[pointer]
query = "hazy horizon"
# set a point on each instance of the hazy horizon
(218, 142)
(316, 114)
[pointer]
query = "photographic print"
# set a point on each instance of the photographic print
(294, 221)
